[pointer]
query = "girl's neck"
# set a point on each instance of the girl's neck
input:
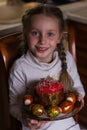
(44, 60)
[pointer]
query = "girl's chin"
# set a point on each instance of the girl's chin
(41, 58)
(41, 54)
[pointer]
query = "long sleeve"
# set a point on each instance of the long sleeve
(73, 71)
(16, 91)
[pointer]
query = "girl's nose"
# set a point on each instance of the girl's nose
(42, 39)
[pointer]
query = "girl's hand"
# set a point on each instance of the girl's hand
(81, 100)
(34, 124)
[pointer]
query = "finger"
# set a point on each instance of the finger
(80, 97)
(37, 126)
(34, 122)
(41, 124)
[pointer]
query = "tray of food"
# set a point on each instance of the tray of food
(49, 102)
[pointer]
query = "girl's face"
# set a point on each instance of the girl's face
(43, 36)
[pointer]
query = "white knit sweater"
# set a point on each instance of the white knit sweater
(27, 70)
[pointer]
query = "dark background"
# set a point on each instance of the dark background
(57, 2)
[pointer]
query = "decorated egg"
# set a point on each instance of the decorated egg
(71, 97)
(53, 111)
(67, 106)
(37, 109)
(27, 100)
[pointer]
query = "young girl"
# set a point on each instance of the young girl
(43, 28)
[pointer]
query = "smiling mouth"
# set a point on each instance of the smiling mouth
(42, 49)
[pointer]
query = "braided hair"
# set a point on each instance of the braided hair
(52, 11)
(64, 77)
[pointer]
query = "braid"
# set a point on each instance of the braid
(62, 55)
(64, 78)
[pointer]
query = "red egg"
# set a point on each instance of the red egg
(71, 97)
(67, 106)
(27, 100)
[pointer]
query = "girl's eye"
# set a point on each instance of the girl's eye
(50, 34)
(35, 33)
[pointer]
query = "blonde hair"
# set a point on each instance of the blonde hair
(64, 77)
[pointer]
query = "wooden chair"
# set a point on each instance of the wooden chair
(4, 109)
(78, 46)
(10, 49)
